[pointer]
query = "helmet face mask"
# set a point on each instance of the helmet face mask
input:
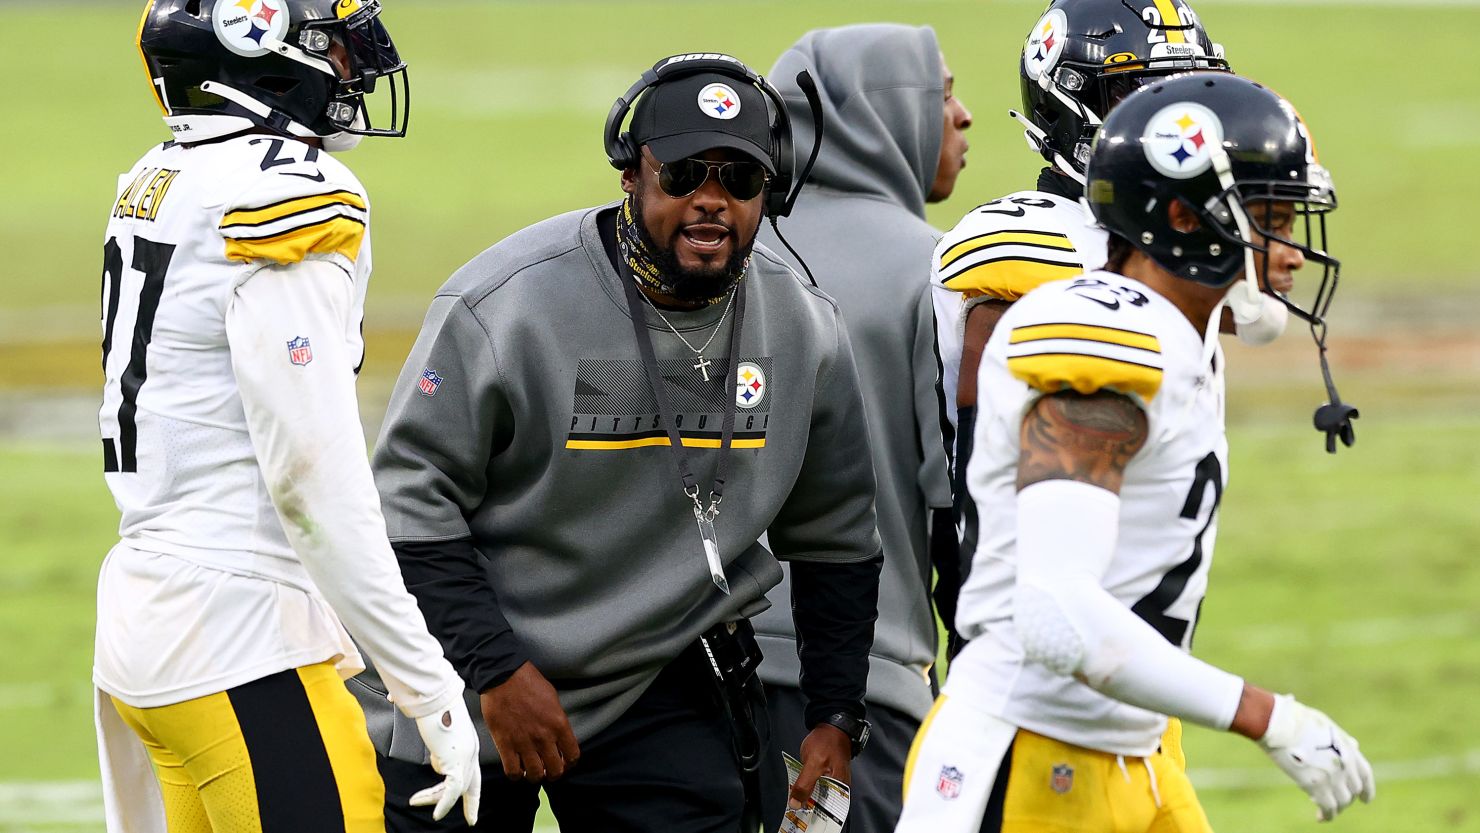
(302, 68)
(1301, 226)
(1084, 56)
(364, 47)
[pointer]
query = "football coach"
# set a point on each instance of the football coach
(602, 416)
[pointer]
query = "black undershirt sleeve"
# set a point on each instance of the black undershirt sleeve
(834, 607)
(461, 609)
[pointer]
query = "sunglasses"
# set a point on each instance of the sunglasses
(744, 180)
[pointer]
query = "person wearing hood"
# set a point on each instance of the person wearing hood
(893, 141)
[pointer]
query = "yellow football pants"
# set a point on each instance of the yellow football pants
(288, 753)
(969, 771)
(1054, 787)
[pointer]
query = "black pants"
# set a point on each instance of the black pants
(878, 774)
(666, 764)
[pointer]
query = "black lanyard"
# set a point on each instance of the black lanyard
(665, 408)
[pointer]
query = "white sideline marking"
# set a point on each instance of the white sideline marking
(1360, 633)
(27, 695)
(51, 802)
(1390, 772)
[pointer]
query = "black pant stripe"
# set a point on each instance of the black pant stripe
(992, 818)
(296, 790)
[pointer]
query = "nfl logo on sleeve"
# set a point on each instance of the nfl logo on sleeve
(949, 783)
(429, 382)
(300, 352)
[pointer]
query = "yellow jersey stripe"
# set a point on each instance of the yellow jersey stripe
(336, 235)
(287, 208)
(909, 761)
(1169, 17)
(1010, 278)
(1053, 372)
(646, 442)
(1044, 239)
(148, 73)
(1086, 332)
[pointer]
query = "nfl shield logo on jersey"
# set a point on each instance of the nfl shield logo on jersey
(429, 382)
(1063, 779)
(300, 352)
(949, 783)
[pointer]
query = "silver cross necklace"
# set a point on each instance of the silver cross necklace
(703, 364)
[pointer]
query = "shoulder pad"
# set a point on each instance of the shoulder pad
(1088, 334)
(1006, 248)
(311, 207)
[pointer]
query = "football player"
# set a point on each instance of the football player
(234, 277)
(1080, 59)
(1100, 447)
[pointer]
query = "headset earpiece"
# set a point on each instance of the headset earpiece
(623, 153)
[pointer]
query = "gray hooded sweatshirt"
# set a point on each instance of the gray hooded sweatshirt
(860, 226)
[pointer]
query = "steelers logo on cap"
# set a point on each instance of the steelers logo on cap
(718, 101)
(1180, 138)
(243, 25)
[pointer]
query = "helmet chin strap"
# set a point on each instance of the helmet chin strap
(1038, 140)
(252, 105)
(1334, 419)
(333, 142)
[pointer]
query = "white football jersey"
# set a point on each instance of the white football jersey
(188, 226)
(1002, 250)
(1101, 331)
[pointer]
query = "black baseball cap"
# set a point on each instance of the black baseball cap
(690, 115)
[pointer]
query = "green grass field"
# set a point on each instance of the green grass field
(1348, 580)
(509, 98)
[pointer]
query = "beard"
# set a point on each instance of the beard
(704, 284)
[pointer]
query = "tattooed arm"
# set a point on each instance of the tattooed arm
(1088, 438)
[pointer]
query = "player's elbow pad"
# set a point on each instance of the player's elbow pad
(1047, 636)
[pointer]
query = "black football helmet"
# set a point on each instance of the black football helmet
(297, 67)
(1083, 56)
(1232, 151)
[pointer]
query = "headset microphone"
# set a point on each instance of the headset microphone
(1335, 417)
(814, 101)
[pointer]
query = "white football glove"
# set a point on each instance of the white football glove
(449, 735)
(1317, 755)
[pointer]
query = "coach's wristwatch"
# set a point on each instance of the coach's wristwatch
(855, 728)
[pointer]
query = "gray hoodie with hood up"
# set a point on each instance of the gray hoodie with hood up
(860, 226)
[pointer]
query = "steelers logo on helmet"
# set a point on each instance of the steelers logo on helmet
(1046, 43)
(750, 385)
(1180, 138)
(719, 101)
(244, 25)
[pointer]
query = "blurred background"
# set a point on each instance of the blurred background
(1351, 580)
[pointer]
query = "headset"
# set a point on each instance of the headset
(622, 151)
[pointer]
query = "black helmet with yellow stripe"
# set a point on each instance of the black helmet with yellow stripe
(301, 68)
(1083, 56)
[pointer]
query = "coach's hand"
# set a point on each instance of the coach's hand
(453, 743)
(826, 750)
(529, 727)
